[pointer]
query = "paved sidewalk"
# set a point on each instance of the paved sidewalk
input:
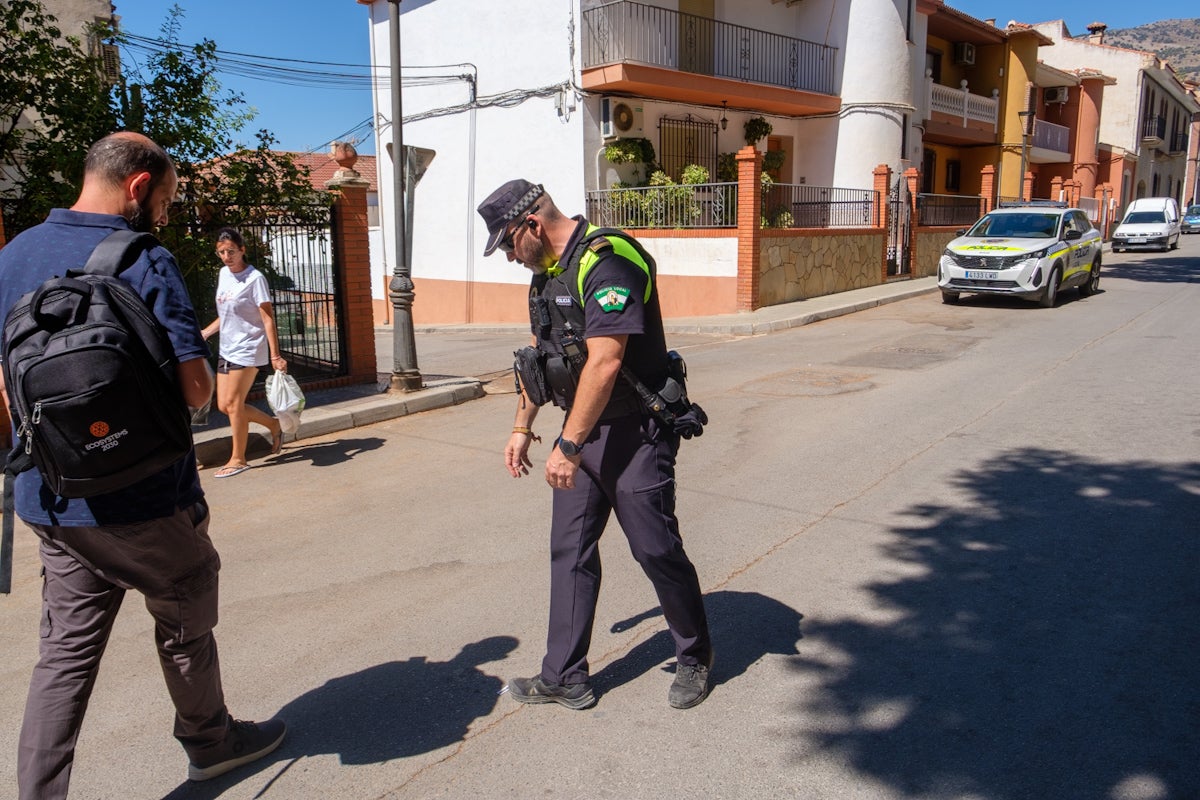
(459, 368)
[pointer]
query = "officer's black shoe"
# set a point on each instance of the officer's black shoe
(576, 696)
(690, 686)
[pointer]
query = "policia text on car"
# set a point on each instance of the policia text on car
(600, 354)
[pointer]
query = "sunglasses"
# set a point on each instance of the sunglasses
(506, 244)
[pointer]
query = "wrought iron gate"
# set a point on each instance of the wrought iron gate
(899, 229)
(296, 254)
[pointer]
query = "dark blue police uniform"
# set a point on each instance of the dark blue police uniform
(628, 460)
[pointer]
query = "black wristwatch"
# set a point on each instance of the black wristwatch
(568, 447)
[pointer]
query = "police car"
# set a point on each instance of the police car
(1031, 251)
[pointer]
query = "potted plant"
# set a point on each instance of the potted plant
(757, 129)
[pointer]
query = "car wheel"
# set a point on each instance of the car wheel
(949, 298)
(1050, 296)
(1092, 284)
(1176, 245)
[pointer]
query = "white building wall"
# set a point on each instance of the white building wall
(876, 91)
(514, 48)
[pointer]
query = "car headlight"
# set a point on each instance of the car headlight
(1039, 255)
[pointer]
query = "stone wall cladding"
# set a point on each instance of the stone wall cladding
(929, 245)
(796, 265)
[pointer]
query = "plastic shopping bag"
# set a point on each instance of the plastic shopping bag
(285, 399)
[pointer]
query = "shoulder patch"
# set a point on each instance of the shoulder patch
(612, 298)
(600, 244)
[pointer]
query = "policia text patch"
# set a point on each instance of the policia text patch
(612, 298)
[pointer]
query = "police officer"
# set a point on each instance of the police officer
(597, 329)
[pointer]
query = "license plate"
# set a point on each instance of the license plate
(983, 276)
(1137, 239)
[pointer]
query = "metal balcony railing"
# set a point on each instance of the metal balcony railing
(1154, 128)
(786, 205)
(703, 205)
(632, 32)
(962, 104)
(949, 209)
(1049, 136)
(1179, 142)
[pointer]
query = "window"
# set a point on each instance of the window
(953, 175)
(687, 141)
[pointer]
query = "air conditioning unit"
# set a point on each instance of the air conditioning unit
(964, 53)
(1055, 94)
(620, 118)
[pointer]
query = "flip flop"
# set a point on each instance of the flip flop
(277, 442)
(229, 472)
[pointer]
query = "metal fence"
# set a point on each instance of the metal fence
(787, 205)
(627, 31)
(702, 205)
(948, 209)
(296, 256)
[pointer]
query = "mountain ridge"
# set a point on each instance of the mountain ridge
(1174, 40)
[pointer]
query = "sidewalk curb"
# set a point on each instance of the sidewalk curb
(212, 446)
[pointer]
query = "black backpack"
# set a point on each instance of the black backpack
(91, 376)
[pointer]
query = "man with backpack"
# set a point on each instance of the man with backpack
(600, 354)
(150, 536)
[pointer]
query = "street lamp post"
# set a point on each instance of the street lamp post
(405, 375)
(1025, 116)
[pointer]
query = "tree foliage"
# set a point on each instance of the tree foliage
(175, 99)
(53, 105)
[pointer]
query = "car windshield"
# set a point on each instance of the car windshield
(1033, 225)
(1193, 211)
(1144, 218)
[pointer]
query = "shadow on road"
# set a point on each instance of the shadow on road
(745, 626)
(389, 711)
(1153, 268)
(325, 454)
(1047, 650)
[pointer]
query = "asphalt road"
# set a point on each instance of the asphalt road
(949, 552)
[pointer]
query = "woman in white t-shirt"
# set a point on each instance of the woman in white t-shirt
(248, 337)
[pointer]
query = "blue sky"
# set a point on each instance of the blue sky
(1078, 15)
(301, 118)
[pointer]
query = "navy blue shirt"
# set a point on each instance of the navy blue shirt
(63, 242)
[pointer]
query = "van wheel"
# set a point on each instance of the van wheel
(1050, 296)
(949, 298)
(1092, 284)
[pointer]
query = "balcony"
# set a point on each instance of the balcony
(1050, 143)
(958, 117)
(654, 52)
(1154, 130)
(1179, 143)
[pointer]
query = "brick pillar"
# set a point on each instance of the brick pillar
(883, 185)
(749, 227)
(1027, 186)
(1056, 187)
(1073, 192)
(352, 251)
(987, 187)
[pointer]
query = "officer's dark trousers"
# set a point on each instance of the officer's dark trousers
(87, 571)
(627, 467)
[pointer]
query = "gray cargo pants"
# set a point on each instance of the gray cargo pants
(173, 563)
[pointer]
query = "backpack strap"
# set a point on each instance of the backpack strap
(6, 531)
(117, 252)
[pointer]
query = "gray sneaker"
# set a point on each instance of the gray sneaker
(245, 742)
(575, 696)
(690, 686)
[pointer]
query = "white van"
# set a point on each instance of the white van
(1151, 223)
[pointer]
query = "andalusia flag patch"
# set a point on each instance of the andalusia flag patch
(612, 298)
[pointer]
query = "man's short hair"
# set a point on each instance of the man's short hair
(119, 155)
